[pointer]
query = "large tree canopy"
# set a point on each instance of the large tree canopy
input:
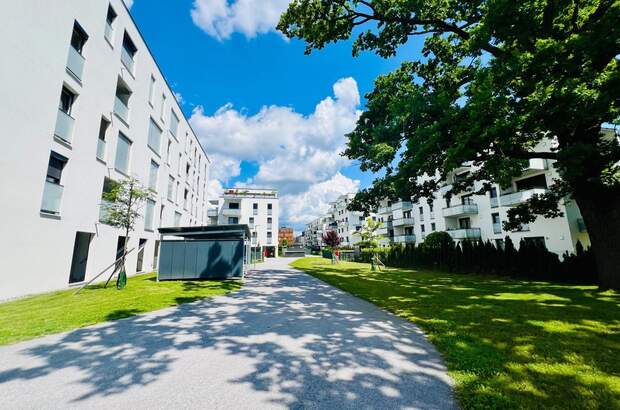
(494, 80)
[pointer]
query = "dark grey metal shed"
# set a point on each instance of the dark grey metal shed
(204, 252)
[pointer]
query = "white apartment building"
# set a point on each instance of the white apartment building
(466, 216)
(347, 222)
(313, 233)
(258, 208)
(84, 104)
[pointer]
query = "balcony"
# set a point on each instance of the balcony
(403, 222)
(101, 149)
(269, 226)
(497, 228)
(460, 210)
(231, 212)
(269, 211)
(108, 33)
(254, 211)
(64, 126)
(269, 241)
(121, 109)
(127, 60)
(404, 205)
(75, 63)
(404, 239)
(384, 210)
(212, 212)
(469, 233)
(516, 198)
(52, 195)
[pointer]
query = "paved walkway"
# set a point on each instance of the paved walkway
(286, 340)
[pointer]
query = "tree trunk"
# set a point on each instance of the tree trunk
(600, 208)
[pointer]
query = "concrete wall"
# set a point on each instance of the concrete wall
(37, 249)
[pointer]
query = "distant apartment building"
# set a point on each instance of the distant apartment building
(85, 105)
(258, 208)
(338, 219)
(313, 233)
(286, 234)
(466, 216)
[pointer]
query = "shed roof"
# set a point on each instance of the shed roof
(239, 231)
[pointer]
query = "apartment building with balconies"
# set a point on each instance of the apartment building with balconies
(468, 216)
(85, 105)
(313, 232)
(345, 222)
(258, 208)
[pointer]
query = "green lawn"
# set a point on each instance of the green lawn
(61, 311)
(507, 343)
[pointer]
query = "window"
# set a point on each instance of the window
(174, 123)
(123, 152)
(148, 215)
(251, 221)
(161, 216)
(421, 211)
(255, 208)
(536, 240)
(170, 187)
(233, 220)
(152, 91)
(422, 228)
(464, 223)
(154, 140)
(109, 27)
(269, 221)
(177, 218)
(121, 102)
(493, 192)
(433, 226)
(55, 166)
(185, 199)
(67, 98)
(169, 152)
(163, 107)
(153, 171)
(103, 127)
(233, 205)
(128, 52)
(467, 200)
(78, 38)
(180, 163)
(499, 244)
(178, 192)
(187, 170)
(108, 185)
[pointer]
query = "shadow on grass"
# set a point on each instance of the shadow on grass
(508, 343)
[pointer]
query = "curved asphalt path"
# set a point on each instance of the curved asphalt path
(286, 340)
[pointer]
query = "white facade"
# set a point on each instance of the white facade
(469, 217)
(313, 233)
(347, 222)
(84, 101)
(257, 208)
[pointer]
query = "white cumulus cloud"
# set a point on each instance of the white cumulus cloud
(221, 18)
(297, 154)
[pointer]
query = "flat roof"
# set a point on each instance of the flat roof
(211, 231)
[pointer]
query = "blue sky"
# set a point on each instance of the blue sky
(267, 114)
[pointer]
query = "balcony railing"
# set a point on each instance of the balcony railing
(64, 126)
(269, 226)
(75, 63)
(389, 223)
(269, 241)
(212, 212)
(469, 233)
(520, 197)
(121, 109)
(494, 202)
(52, 196)
(403, 221)
(385, 210)
(404, 239)
(101, 149)
(497, 228)
(269, 211)
(231, 212)
(404, 205)
(109, 32)
(127, 60)
(462, 209)
(382, 231)
(254, 211)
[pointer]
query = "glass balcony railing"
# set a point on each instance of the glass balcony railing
(121, 109)
(404, 238)
(75, 63)
(404, 205)
(497, 228)
(269, 226)
(402, 221)
(468, 233)
(269, 211)
(521, 196)
(494, 202)
(64, 126)
(462, 209)
(384, 210)
(109, 32)
(101, 149)
(52, 196)
(127, 60)
(231, 212)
